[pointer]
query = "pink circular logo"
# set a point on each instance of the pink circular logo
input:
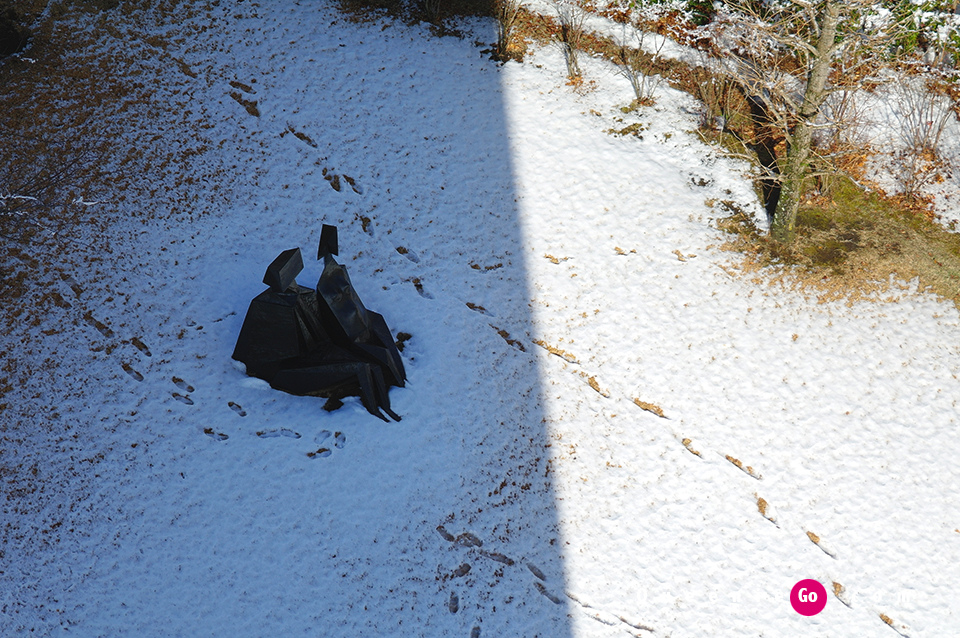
(808, 597)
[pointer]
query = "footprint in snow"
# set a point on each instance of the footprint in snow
(556, 600)
(237, 408)
(249, 105)
(420, 289)
(536, 571)
(454, 603)
(339, 439)
(246, 88)
(182, 399)
(497, 556)
(409, 254)
(100, 326)
(475, 632)
(447, 536)
(469, 539)
(270, 434)
(183, 385)
(69, 280)
(478, 308)
(219, 436)
(133, 373)
(141, 346)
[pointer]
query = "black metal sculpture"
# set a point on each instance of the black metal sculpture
(321, 342)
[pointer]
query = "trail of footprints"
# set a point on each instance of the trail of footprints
(764, 508)
(184, 388)
(474, 545)
(105, 330)
(339, 440)
(183, 396)
(769, 512)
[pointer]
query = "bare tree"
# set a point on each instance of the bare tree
(922, 116)
(784, 53)
(506, 13)
(571, 17)
(38, 178)
(630, 63)
(431, 10)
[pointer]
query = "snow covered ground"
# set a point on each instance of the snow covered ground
(552, 275)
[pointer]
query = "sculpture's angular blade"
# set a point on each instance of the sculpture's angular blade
(378, 326)
(344, 315)
(283, 271)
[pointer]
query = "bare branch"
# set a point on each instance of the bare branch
(506, 12)
(571, 17)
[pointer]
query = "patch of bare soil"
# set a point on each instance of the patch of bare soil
(90, 76)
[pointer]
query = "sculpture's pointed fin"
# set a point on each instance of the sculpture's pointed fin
(328, 242)
(368, 390)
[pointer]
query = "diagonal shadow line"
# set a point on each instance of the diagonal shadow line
(450, 211)
(443, 524)
(463, 536)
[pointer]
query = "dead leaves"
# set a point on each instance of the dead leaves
(335, 183)
(649, 407)
(563, 354)
(746, 469)
(688, 443)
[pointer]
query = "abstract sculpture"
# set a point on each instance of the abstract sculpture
(321, 342)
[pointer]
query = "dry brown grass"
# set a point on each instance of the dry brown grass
(855, 246)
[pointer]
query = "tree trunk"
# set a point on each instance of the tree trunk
(794, 170)
(765, 140)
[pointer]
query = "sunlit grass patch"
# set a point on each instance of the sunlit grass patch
(852, 245)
